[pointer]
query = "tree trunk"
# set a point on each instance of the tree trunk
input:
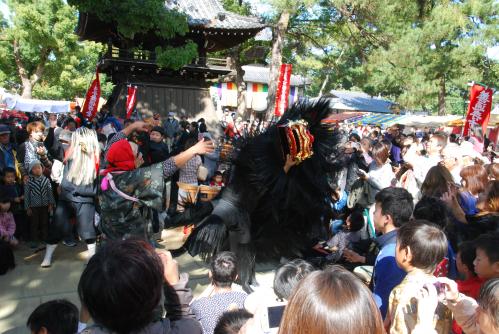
(275, 64)
(27, 80)
(324, 84)
(240, 84)
(441, 97)
(27, 89)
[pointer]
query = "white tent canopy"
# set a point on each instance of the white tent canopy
(430, 121)
(30, 105)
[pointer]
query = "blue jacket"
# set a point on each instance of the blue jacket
(387, 274)
(341, 203)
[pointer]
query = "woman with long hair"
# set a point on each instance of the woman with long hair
(78, 191)
(331, 301)
(437, 182)
(474, 180)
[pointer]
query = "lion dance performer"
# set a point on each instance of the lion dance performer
(275, 201)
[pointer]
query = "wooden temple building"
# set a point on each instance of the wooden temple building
(185, 91)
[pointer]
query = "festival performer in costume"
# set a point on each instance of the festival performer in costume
(274, 204)
(129, 192)
(78, 191)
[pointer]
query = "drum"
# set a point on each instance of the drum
(187, 193)
(207, 193)
(226, 151)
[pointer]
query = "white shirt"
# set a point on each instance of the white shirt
(423, 165)
(380, 177)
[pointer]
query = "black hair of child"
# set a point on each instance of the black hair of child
(224, 269)
(488, 243)
(467, 254)
(397, 203)
(57, 316)
(427, 242)
(289, 275)
(230, 322)
(357, 221)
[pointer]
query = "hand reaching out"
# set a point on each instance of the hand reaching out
(170, 267)
(141, 126)
(204, 147)
(450, 291)
(40, 150)
(320, 249)
(450, 196)
(290, 162)
(353, 257)
(450, 199)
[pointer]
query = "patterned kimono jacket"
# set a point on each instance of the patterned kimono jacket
(122, 218)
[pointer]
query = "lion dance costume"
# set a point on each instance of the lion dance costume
(264, 213)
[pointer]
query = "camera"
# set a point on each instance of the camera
(271, 317)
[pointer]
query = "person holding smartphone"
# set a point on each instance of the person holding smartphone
(474, 316)
(35, 148)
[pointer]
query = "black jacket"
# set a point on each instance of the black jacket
(73, 193)
(480, 224)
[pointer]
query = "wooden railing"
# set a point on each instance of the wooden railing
(145, 56)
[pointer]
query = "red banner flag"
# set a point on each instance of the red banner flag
(283, 89)
(131, 98)
(479, 108)
(92, 99)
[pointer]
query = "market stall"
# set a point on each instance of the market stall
(351, 117)
(421, 121)
(383, 120)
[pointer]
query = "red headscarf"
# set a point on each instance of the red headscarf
(120, 157)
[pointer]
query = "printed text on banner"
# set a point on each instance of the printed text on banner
(479, 109)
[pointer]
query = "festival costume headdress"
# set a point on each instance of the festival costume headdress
(296, 140)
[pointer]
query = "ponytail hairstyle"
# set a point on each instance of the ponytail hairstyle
(84, 153)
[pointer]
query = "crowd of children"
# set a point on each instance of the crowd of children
(304, 299)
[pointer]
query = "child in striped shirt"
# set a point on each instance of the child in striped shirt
(38, 202)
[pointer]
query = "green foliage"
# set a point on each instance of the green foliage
(446, 43)
(71, 76)
(137, 16)
(291, 6)
(233, 6)
(145, 17)
(54, 64)
(399, 49)
(175, 57)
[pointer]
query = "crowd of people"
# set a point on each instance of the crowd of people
(51, 164)
(411, 244)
